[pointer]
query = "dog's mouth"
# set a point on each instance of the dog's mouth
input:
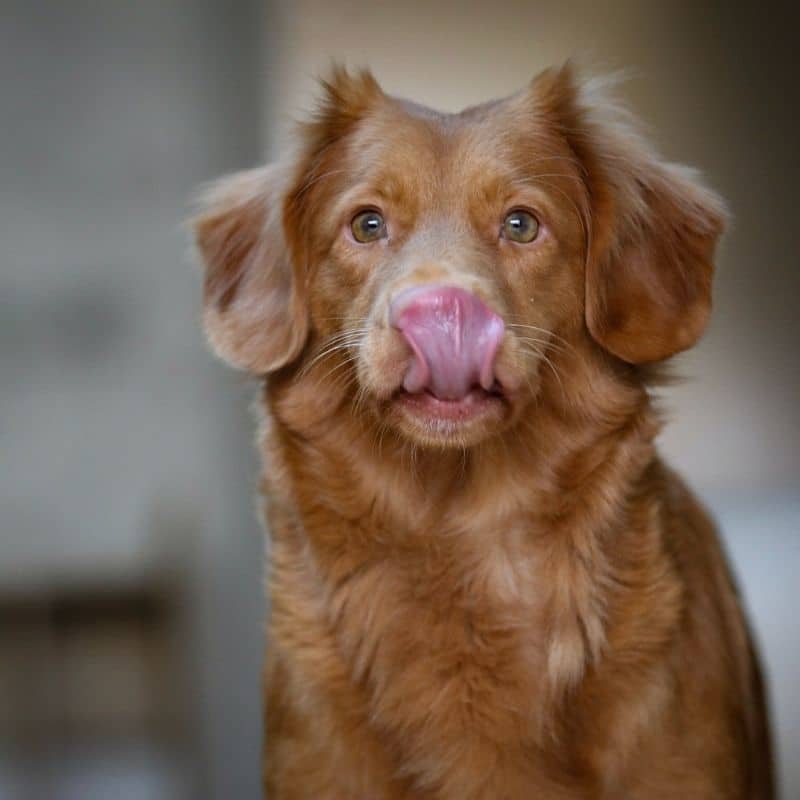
(477, 403)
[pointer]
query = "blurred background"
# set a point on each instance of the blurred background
(131, 558)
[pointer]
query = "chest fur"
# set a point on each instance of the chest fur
(445, 650)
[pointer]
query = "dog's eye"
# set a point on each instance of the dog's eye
(520, 226)
(368, 226)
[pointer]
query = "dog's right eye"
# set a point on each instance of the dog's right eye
(520, 226)
(368, 226)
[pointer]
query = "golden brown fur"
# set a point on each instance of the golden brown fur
(529, 606)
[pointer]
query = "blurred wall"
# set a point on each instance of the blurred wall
(125, 447)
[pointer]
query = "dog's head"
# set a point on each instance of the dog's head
(437, 266)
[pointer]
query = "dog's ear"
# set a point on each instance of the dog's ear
(347, 97)
(255, 313)
(654, 227)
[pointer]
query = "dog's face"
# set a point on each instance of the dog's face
(450, 249)
(442, 263)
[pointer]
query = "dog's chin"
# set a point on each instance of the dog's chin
(432, 421)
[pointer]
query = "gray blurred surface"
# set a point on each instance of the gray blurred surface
(123, 442)
(762, 535)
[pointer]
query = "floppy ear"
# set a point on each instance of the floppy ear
(654, 228)
(255, 314)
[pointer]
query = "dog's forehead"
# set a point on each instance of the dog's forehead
(439, 149)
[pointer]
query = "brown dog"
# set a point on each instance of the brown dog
(484, 582)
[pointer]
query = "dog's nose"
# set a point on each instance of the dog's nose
(454, 337)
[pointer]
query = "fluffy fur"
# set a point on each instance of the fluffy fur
(530, 605)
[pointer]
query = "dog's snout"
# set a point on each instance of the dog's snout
(454, 337)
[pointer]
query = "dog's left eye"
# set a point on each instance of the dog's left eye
(520, 226)
(368, 226)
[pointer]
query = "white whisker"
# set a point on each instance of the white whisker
(345, 341)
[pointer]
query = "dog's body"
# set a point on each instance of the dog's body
(484, 582)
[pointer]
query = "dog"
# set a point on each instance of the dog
(484, 582)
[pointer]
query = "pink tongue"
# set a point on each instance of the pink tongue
(454, 337)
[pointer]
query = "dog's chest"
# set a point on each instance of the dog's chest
(449, 648)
